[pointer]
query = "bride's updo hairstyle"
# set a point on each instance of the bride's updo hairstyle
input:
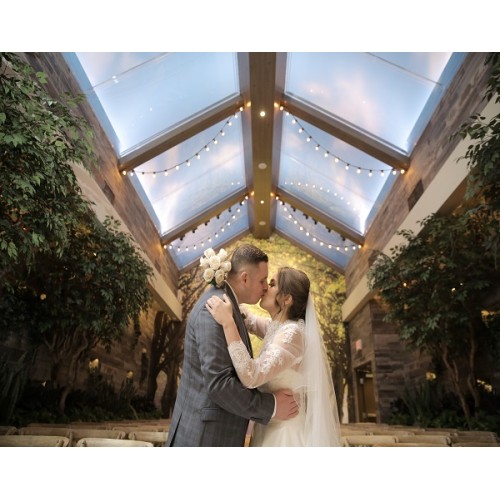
(295, 283)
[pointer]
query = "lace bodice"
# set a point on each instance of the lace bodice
(282, 349)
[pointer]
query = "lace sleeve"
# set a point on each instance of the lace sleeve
(255, 324)
(283, 351)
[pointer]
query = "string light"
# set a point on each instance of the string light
(306, 186)
(340, 246)
(187, 161)
(225, 222)
(337, 158)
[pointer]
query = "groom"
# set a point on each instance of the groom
(212, 407)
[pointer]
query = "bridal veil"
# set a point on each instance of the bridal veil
(321, 413)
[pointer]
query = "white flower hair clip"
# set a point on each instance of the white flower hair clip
(215, 266)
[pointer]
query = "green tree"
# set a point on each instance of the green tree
(86, 296)
(40, 200)
(483, 156)
(435, 288)
(40, 138)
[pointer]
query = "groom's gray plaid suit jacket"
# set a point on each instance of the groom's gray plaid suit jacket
(212, 406)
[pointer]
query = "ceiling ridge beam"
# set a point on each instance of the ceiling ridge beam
(351, 135)
(262, 76)
(328, 221)
(183, 132)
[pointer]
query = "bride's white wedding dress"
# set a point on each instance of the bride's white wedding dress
(280, 366)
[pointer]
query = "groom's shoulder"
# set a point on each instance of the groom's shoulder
(206, 294)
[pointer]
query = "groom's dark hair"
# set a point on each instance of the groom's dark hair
(246, 254)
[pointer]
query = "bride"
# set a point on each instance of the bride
(292, 356)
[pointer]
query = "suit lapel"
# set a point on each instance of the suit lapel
(238, 318)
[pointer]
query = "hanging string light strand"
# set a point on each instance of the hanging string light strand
(306, 186)
(342, 245)
(187, 162)
(230, 215)
(336, 158)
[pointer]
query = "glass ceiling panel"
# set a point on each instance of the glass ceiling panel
(343, 182)
(390, 96)
(214, 234)
(314, 235)
(138, 96)
(201, 171)
(141, 96)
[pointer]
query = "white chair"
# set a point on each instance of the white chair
(355, 432)
(407, 445)
(108, 442)
(157, 438)
(436, 439)
(46, 431)
(367, 440)
(88, 432)
(140, 428)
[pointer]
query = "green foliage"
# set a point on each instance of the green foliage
(39, 140)
(13, 378)
(91, 292)
(483, 157)
(426, 402)
(97, 402)
(429, 405)
(86, 296)
(434, 285)
(67, 279)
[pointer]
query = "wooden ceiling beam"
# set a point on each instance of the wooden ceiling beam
(263, 109)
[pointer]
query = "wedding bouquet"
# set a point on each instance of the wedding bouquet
(215, 266)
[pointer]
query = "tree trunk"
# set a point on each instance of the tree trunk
(152, 384)
(471, 376)
(455, 378)
(170, 392)
(74, 355)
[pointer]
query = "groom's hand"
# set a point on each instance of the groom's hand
(286, 406)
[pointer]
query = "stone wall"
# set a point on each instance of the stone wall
(376, 344)
(118, 188)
